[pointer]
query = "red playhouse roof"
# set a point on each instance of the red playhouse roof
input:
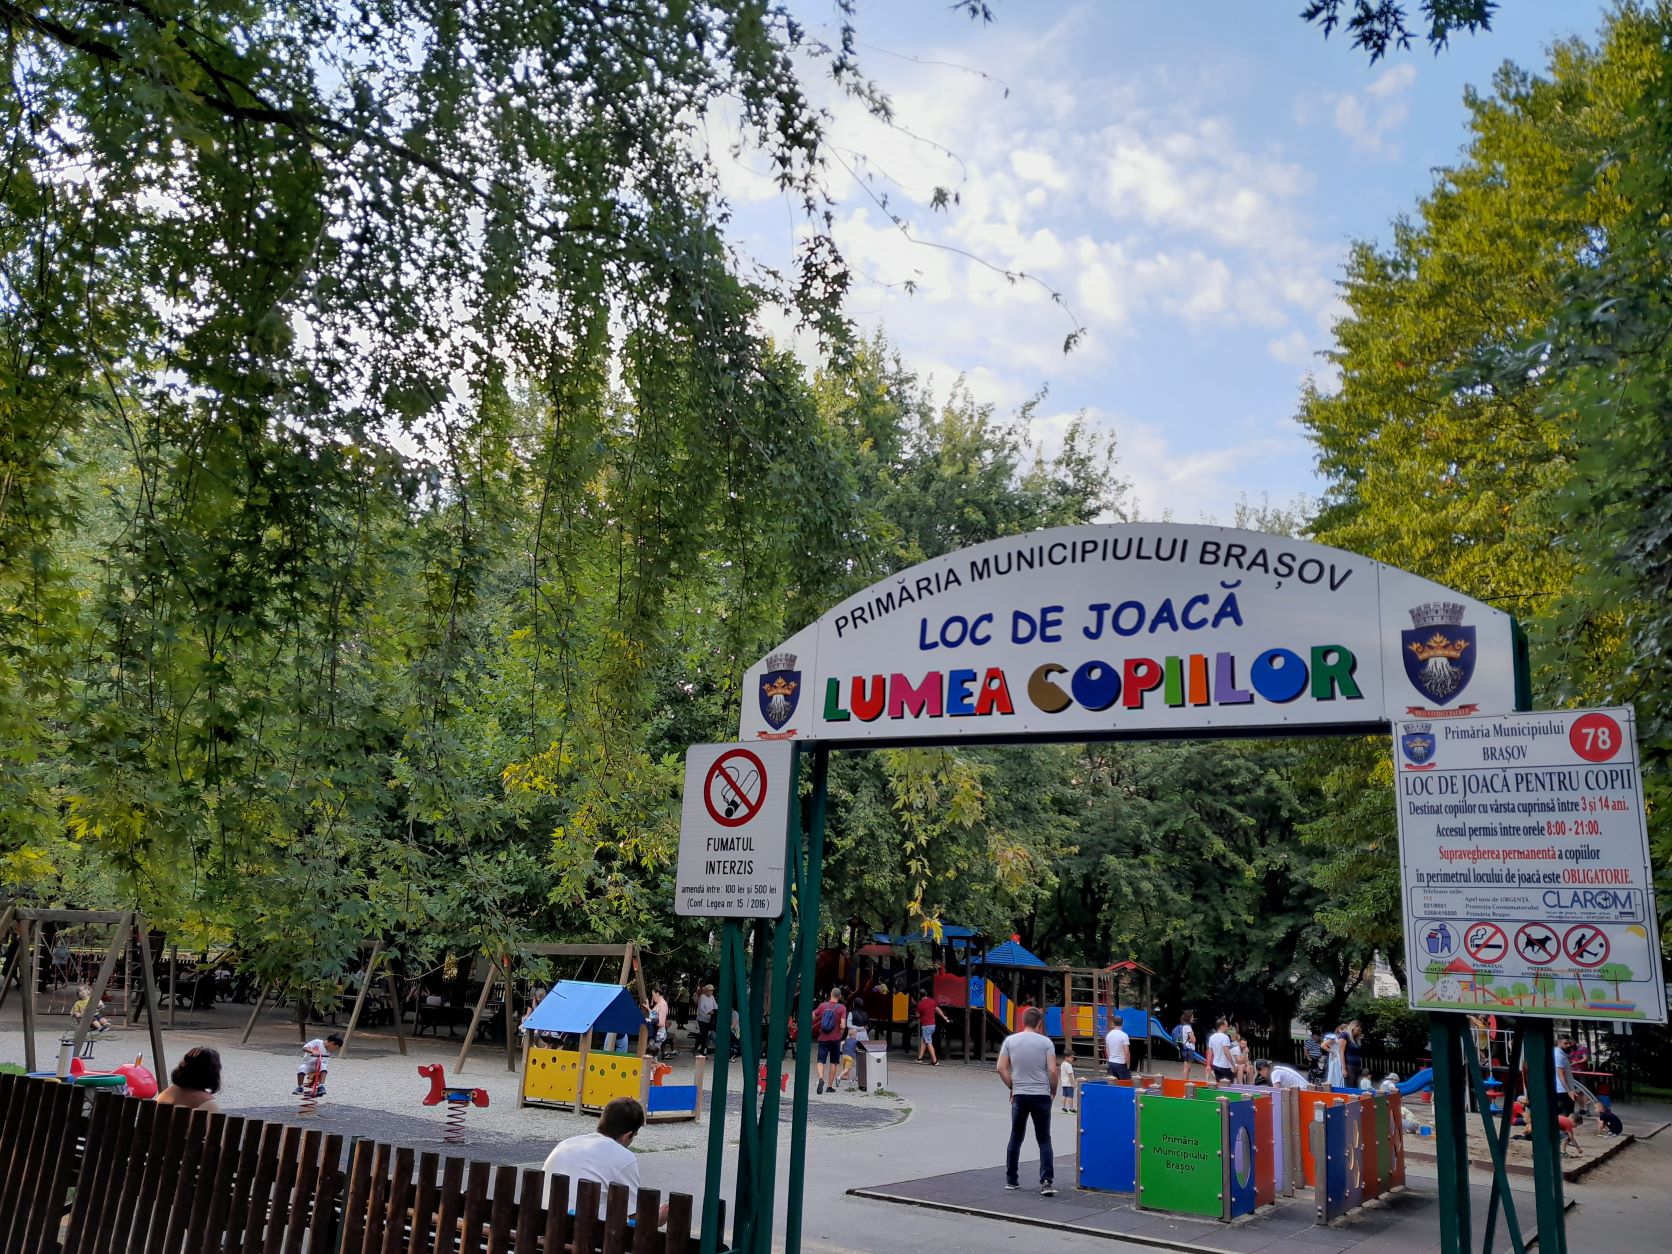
(1129, 965)
(1458, 967)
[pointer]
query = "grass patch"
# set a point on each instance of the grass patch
(11, 1068)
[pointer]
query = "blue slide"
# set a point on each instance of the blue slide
(1132, 1023)
(1420, 1082)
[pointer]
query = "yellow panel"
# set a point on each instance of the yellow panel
(551, 1075)
(609, 1076)
(902, 1010)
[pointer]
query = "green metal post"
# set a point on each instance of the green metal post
(1539, 1035)
(1500, 1143)
(717, 1094)
(807, 927)
(1451, 1132)
(772, 944)
(748, 1140)
(1496, 1146)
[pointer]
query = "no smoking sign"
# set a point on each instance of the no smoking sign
(734, 831)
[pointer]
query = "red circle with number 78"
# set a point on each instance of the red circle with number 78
(1596, 737)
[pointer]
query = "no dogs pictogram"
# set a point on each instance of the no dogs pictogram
(1536, 943)
(735, 788)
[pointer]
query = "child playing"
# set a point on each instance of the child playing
(100, 1023)
(1067, 1079)
(316, 1056)
(1608, 1123)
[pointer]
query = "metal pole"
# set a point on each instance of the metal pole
(717, 1096)
(1539, 1036)
(1451, 1149)
(807, 924)
(748, 1036)
(777, 1027)
(1498, 1142)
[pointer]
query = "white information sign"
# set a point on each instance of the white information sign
(734, 831)
(1525, 866)
(1128, 629)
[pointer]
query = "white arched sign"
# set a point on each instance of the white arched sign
(1133, 629)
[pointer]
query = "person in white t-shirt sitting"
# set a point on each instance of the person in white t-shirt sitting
(605, 1155)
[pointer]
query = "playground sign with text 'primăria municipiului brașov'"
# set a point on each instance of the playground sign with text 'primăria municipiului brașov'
(1133, 629)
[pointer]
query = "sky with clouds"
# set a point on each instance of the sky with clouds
(1187, 177)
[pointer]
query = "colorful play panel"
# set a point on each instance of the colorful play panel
(1225, 1152)
(574, 1074)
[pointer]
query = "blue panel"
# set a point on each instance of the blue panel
(580, 1006)
(1100, 1019)
(1053, 1021)
(1335, 1158)
(672, 1097)
(1240, 1131)
(1108, 1137)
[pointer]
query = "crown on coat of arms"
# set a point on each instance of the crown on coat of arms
(1418, 728)
(1437, 614)
(786, 661)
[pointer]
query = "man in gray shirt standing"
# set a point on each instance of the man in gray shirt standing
(1028, 1066)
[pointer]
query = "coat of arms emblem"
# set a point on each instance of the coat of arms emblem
(1418, 747)
(780, 690)
(1439, 651)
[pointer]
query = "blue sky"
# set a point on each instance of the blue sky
(1188, 176)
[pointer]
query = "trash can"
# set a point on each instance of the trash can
(873, 1065)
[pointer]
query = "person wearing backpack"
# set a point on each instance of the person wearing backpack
(830, 1024)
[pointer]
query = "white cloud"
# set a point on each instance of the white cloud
(1292, 349)
(1169, 482)
(1371, 119)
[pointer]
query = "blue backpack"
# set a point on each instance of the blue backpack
(827, 1019)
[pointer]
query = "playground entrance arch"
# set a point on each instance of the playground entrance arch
(1097, 632)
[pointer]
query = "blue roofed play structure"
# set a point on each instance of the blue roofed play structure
(1011, 954)
(571, 1074)
(575, 1006)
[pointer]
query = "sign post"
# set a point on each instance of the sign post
(741, 863)
(1526, 891)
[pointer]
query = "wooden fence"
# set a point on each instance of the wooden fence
(87, 1173)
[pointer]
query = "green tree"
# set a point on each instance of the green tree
(1519, 992)
(1616, 973)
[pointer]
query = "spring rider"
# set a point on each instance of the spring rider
(459, 1100)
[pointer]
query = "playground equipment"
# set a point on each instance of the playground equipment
(458, 1098)
(133, 1078)
(23, 933)
(503, 970)
(585, 1077)
(1223, 1151)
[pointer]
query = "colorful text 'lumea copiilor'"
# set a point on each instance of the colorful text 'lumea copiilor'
(1276, 676)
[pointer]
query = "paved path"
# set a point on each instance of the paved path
(947, 1119)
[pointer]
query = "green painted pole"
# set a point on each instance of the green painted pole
(717, 1095)
(1496, 1146)
(1547, 1135)
(1500, 1149)
(1451, 1149)
(748, 1140)
(807, 927)
(776, 942)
